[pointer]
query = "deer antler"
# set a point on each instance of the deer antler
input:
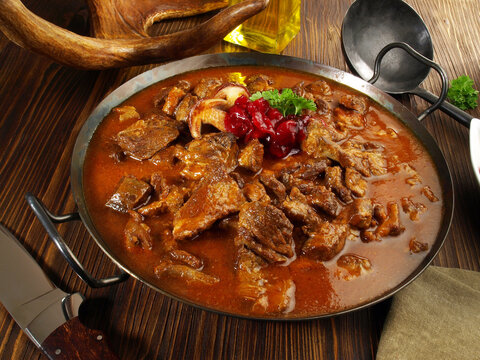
(32, 32)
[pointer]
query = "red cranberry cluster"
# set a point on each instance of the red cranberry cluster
(258, 120)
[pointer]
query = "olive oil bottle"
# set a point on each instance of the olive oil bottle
(271, 30)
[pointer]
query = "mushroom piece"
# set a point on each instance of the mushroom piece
(208, 111)
(231, 92)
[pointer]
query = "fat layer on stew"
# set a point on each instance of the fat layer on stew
(221, 221)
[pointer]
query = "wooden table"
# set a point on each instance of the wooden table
(43, 106)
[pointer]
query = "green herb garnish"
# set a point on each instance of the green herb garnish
(287, 102)
(462, 94)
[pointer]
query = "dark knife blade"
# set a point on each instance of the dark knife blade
(45, 313)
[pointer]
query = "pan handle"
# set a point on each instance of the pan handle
(47, 219)
(422, 59)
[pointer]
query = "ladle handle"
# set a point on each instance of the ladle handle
(422, 59)
(461, 116)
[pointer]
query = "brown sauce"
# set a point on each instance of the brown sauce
(320, 286)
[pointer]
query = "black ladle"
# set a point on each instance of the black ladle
(369, 26)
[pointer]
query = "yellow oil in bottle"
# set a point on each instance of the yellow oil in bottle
(271, 30)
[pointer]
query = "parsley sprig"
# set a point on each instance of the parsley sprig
(462, 94)
(287, 102)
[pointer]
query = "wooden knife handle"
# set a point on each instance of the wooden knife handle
(74, 341)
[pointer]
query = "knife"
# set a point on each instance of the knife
(45, 313)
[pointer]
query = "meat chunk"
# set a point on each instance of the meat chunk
(333, 180)
(126, 112)
(258, 82)
(414, 210)
(416, 246)
(389, 227)
(176, 198)
(129, 194)
(316, 90)
(412, 177)
(323, 199)
(173, 98)
(188, 274)
(354, 264)
(251, 157)
(159, 183)
(182, 87)
(166, 158)
(363, 158)
(264, 294)
(210, 151)
(379, 213)
(170, 200)
(229, 223)
(275, 189)
(159, 99)
(319, 88)
(296, 207)
(145, 137)
(326, 242)
(238, 178)
(353, 102)
(319, 92)
(311, 169)
(154, 208)
(185, 258)
(428, 192)
(265, 230)
(137, 235)
(207, 87)
(183, 109)
(214, 198)
(355, 182)
(251, 282)
(362, 212)
(348, 119)
(325, 239)
(255, 191)
(321, 139)
(244, 237)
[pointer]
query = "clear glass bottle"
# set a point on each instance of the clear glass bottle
(271, 30)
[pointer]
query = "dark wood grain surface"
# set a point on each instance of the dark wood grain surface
(42, 107)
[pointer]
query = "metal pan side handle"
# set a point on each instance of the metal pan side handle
(415, 54)
(47, 219)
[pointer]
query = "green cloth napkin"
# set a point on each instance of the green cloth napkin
(435, 317)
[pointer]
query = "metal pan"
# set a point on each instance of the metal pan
(218, 60)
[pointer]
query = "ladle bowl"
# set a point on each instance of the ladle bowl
(369, 27)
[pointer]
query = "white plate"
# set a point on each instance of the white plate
(475, 147)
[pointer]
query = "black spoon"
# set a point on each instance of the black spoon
(369, 26)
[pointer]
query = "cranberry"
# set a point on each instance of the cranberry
(254, 133)
(278, 150)
(286, 133)
(275, 116)
(262, 124)
(262, 105)
(242, 101)
(237, 121)
(302, 124)
(257, 120)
